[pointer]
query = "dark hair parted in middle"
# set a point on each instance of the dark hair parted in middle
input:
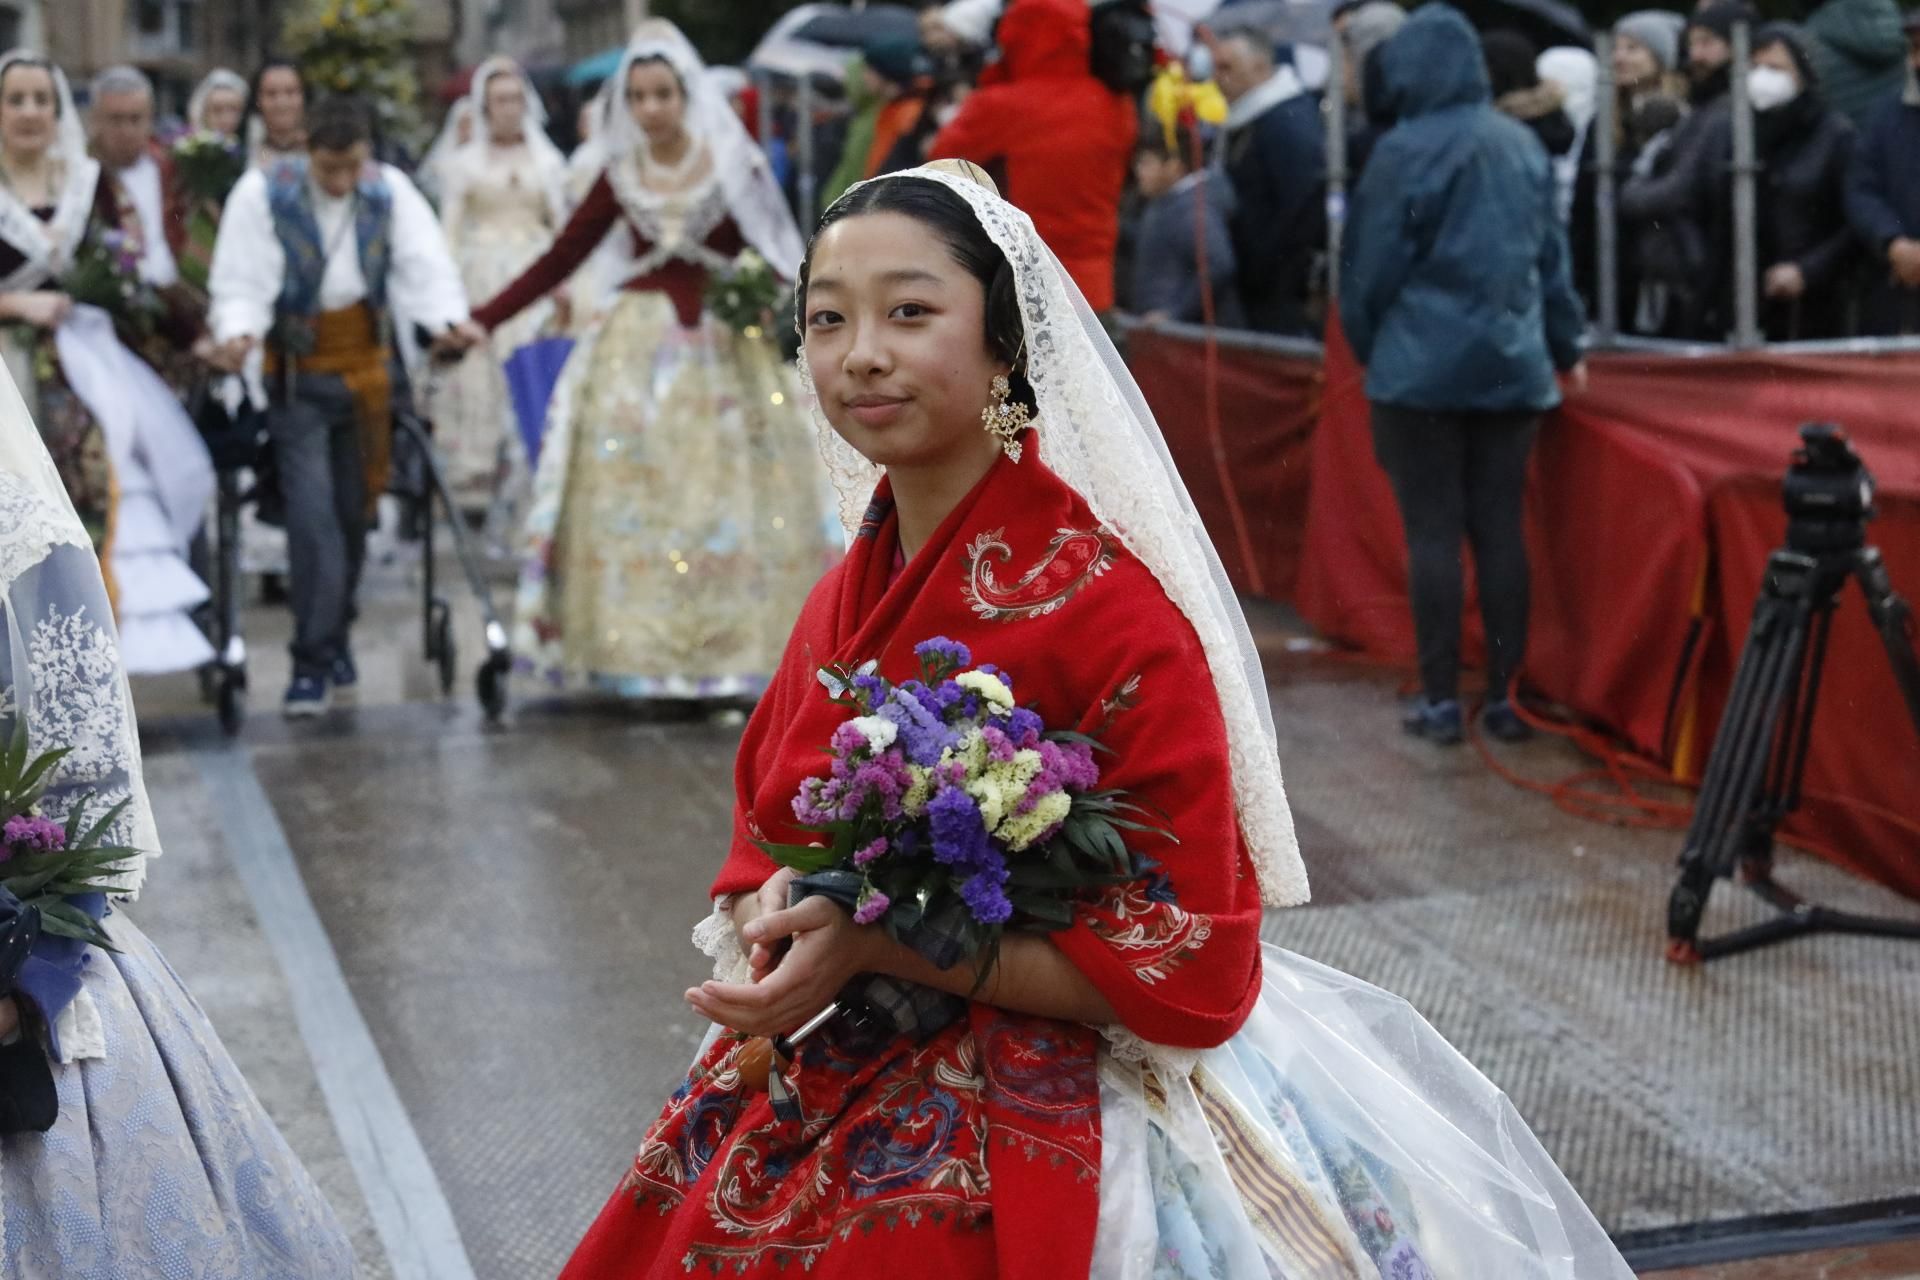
(947, 214)
(339, 123)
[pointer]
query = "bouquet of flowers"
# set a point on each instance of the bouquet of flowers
(746, 296)
(105, 273)
(951, 814)
(43, 862)
(209, 164)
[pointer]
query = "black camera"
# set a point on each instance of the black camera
(1828, 492)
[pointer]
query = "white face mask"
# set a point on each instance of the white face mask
(1770, 87)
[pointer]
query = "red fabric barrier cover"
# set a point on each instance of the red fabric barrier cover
(1268, 404)
(1667, 467)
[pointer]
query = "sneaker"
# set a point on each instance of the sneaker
(1438, 722)
(343, 675)
(306, 698)
(1504, 723)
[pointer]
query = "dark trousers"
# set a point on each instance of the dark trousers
(316, 444)
(1461, 475)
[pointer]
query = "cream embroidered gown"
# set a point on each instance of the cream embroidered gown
(681, 511)
(500, 215)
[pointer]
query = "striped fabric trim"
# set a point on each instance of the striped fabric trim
(1296, 1227)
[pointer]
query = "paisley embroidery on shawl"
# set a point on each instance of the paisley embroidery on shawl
(1073, 559)
(904, 1149)
(1046, 1072)
(1153, 934)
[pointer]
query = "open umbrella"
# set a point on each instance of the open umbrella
(595, 69)
(845, 28)
(1545, 22)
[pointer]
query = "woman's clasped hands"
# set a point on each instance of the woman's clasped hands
(825, 950)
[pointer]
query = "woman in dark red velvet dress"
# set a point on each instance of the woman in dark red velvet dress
(679, 510)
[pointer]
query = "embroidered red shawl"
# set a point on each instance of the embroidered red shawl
(977, 1153)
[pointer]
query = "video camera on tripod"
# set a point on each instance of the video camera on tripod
(1760, 752)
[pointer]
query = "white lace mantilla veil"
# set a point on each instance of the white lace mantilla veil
(1096, 432)
(552, 165)
(217, 79)
(431, 171)
(62, 668)
(48, 247)
(754, 199)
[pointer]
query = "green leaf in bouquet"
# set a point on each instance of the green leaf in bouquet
(101, 827)
(1071, 735)
(804, 858)
(65, 920)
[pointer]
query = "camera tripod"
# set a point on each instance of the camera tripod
(1754, 772)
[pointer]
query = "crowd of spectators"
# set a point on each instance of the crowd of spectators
(1222, 214)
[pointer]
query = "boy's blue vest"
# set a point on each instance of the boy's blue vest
(290, 197)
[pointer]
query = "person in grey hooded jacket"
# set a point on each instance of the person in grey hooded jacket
(1455, 295)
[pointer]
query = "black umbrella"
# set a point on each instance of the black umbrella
(1545, 22)
(852, 28)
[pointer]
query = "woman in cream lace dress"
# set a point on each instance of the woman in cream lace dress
(681, 511)
(502, 199)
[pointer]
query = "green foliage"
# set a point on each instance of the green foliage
(46, 878)
(364, 48)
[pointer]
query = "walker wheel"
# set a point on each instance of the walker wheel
(492, 682)
(443, 650)
(232, 698)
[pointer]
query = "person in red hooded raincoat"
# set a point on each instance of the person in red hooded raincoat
(1061, 139)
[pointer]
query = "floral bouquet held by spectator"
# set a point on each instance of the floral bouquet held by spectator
(208, 165)
(949, 815)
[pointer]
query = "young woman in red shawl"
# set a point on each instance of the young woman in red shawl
(1127, 1097)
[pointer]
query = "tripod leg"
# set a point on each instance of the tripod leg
(1893, 619)
(1769, 666)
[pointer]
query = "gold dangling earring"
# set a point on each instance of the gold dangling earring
(1005, 418)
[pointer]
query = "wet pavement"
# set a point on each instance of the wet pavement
(449, 955)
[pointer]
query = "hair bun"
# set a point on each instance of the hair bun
(965, 169)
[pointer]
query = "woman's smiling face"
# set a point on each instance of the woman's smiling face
(895, 338)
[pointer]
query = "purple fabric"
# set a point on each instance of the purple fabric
(532, 373)
(50, 978)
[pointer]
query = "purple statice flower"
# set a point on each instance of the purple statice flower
(942, 650)
(1068, 765)
(846, 742)
(818, 801)
(870, 689)
(999, 745)
(959, 834)
(946, 696)
(986, 896)
(921, 733)
(33, 833)
(1024, 727)
(861, 857)
(884, 778)
(872, 907)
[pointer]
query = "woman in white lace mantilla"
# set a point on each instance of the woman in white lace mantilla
(160, 1160)
(679, 512)
(134, 464)
(502, 197)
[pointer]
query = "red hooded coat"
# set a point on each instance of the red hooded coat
(1063, 139)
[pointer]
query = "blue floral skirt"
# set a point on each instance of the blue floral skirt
(162, 1163)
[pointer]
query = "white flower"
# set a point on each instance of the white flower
(878, 733)
(988, 686)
